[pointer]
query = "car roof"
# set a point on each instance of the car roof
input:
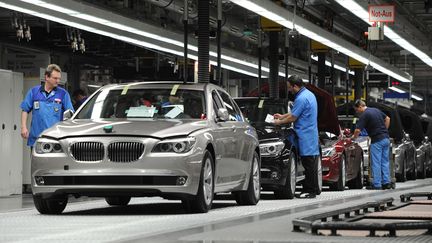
(160, 84)
(256, 99)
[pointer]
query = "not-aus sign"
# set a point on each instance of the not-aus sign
(381, 13)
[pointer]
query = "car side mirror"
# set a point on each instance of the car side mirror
(222, 114)
(347, 132)
(67, 115)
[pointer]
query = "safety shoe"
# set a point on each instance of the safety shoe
(373, 188)
(306, 195)
(387, 186)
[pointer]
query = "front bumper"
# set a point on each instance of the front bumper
(274, 171)
(330, 169)
(151, 174)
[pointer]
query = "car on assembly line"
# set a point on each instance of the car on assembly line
(427, 130)
(170, 139)
(412, 125)
(281, 168)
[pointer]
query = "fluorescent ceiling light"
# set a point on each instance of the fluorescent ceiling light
(397, 89)
(327, 63)
(124, 38)
(413, 96)
(418, 98)
(122, 27)
(360, 12)
(93, 86)
(250, 5)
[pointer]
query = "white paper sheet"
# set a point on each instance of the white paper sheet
(141, 111)
(269, 118)
(174, 112)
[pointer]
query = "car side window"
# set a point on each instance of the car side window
(217, 103)
(234, 113)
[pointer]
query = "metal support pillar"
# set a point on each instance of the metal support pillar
(274, 64)
(359, 74)
(185, 47)
(321, 69)
(347, 83)
(287, 54)
(332, 74)
(219, 49)
(309, 62)
(259, 61)
(203, 41)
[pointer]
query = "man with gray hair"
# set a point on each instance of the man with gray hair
(47, 102)
(376, 124)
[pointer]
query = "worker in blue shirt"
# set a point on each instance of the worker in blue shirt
(305, 117)
(47, 103)
(376, 124)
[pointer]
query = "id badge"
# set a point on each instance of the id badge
(36, 105)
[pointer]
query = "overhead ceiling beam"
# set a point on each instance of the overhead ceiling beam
(92, 19)
(285, 18)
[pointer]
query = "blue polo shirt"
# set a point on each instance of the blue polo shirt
(47, 109)
(306, 126)
(372, 120)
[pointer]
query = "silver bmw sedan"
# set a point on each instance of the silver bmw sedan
(179, 141)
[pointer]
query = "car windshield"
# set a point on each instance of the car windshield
(145, 103)
(256, 112)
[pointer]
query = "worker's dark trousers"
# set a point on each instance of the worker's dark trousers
(310, 183)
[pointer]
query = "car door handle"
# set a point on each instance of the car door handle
(233, 128)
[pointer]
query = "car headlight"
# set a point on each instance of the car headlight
(181, 145)
(328, 152)
(45, 146)
(271, 149)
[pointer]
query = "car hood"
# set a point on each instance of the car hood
(123, 127)
(327, 114)
(266, 131)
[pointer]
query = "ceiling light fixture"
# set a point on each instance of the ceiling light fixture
(397, 89)
(327, 63)
(118, 26)
(122, 27)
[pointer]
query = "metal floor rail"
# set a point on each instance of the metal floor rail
(345, 219)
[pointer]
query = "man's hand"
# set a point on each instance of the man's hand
(24, 132)
(277, 116)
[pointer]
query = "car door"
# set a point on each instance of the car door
(239, 165)
(224, 140)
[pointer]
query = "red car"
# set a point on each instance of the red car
(342, 159)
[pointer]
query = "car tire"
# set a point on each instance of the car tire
(341, 182)
(52, 205)
(287, 191)
(118, 201)
(358, 182)
(253, 193)
(319, 175)
(202, 202)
